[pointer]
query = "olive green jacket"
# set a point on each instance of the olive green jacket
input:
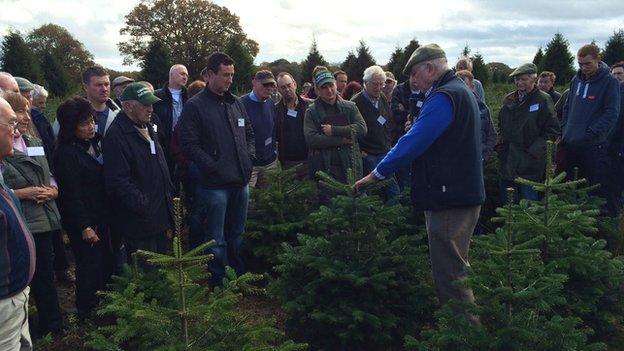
(21, 171)
(340, 143)
(524, 129)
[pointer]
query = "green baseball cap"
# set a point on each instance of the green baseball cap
(139, 92)
(24, 84)
(527, 68)
(424, 53)
(323, 77)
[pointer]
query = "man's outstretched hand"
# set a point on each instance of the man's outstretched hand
(370, 178)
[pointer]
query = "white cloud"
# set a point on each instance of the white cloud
(504, 31)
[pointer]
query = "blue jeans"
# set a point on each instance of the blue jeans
(522, 191)
(220, 215)
(369, 163)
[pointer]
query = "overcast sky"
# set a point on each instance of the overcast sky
(503, 31)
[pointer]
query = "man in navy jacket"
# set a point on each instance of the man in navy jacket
(589, 117)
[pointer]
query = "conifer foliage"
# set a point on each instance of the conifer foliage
(171, 308)
(276, 216)
(543, 281)
(353, 283)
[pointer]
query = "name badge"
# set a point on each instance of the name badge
(155, 128)
(152, 147)
(292, 113)
(419, 103)
(381, 120)
(35, 151)
(241, 122)
(534, 108)
(268, 141)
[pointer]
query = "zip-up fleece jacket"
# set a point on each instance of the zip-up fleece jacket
(592, 109)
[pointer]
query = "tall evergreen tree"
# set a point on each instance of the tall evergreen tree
(350, 65)
(479, 70)
(243, 62)
(538, 60)
(614, 48)
(558, 59)
(313, 59)
(466, 51)
(364, 60)
(18, 59)
(56, 78)
(156, 64)
(394, 65)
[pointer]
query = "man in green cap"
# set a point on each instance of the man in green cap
(444, 147)
(327, 129)
(526, 121)
(136, 174)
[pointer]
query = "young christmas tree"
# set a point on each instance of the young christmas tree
(567, 218)
(171, 308)
(518, 299)
(276, 216)
(356, 280)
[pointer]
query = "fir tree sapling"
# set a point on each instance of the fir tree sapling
(567, 218)
(276, 216)
(169, 309)
(518, 299)
(352, 282)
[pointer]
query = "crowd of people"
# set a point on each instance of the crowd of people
(106, 171)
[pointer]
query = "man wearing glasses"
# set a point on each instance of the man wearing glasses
(17, 250)
(262, 113)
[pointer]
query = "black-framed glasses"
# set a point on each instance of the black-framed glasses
(268, 85)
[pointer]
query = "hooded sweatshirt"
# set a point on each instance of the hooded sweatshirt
(592, 109)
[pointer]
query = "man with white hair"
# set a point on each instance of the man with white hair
(172, 97)
(37, 114)
(8, 83)
(136, 175)
(444, 144)
(17, 247)
(375, 110)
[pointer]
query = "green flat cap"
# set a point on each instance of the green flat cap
(422, 54)
(527, 68)
(24, 84)
(139, 92)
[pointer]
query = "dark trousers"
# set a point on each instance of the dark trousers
(155, 243)
(60, 256)
(42, 286)
(594, 164)
(220, 215)
(94, 266)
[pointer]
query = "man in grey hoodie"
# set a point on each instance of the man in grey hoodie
(589, 117)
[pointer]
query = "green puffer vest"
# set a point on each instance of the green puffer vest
(21, 171)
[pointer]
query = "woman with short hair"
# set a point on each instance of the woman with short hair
(82, 200)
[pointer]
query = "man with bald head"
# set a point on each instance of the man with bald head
(291, 145)
(172, 97)
(17, 248)
(8, 83)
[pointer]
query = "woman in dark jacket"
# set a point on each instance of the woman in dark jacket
(82, 200)
(27, 173)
